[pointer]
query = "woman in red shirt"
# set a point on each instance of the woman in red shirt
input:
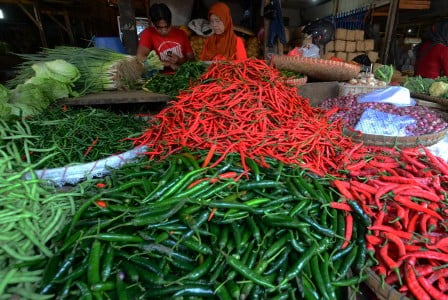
(171, 44)
(432, 55)
(223, 44)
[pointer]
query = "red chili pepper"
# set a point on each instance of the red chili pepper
(209, 156)
(413, 284)
(101, 203)
(212, 214)
(397, 241)
(428, 255)
(432, 291)
(91, 147)
(406, 201)
(348, 230)
(340, 206)
(101, 185)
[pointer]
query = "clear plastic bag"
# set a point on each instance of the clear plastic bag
(380, 123)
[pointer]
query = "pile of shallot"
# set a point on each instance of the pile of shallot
(350, 111)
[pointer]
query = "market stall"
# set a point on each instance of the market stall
(289, 178)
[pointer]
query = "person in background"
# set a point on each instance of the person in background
(432, 55)
(223, 44)
(171, 44)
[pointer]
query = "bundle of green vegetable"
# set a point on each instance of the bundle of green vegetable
(384, 73)
(171, 84)
(81, 135)
(100, 69)
(172, 230)
(52, 80)
(427, 86)
(31, 214)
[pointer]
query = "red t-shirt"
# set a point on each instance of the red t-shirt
(434, 61)
(175, 41)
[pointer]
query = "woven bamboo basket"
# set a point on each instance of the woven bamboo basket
(296, 81)
(320, 69)
(382, 291)
(392, 141)
(355, 89)
(441, 101)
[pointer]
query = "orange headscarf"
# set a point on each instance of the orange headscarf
(221, 44)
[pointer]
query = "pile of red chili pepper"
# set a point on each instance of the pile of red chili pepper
(245, 108)
(404, 193)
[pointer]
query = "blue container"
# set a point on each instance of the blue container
(112, 43)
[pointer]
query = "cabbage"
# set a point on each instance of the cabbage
(58, 69)
(52, 89)
(4, 94)
(27, 100)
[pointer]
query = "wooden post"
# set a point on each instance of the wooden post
(128, 26)
(390, 29)
(66, 26)
(266, 25)
(37, 20)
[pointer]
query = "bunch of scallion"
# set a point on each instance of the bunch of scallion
(100, 69)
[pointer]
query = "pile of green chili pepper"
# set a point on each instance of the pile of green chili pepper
(174, 229)
(171, 84)
(80, 135)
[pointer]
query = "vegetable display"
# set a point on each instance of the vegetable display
(245, 107)
(384, 73)
(80, 135)
(52, 80)
(31, 214)
(100, 69)
(404, 193)
(349, 110)
(171, 84)
(174, 229)
(427, 86)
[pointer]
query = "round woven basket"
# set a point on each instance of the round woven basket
(296, 81)
(381, 289)
(441, 101)
(355, 89)
(320, 69)
(392, 141)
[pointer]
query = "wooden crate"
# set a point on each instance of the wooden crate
(415, 4)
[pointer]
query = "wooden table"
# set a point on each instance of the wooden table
(116, 97)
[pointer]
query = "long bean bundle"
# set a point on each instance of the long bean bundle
(30, 215)
(101, 69)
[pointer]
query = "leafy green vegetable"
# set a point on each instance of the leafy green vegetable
(5, 108)
(172, 84)
(4, 93)
(418, 84)
(27, 100)
(439, 89)
(153, 62)
(384, 73)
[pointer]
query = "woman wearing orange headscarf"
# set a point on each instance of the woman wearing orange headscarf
(223, 44)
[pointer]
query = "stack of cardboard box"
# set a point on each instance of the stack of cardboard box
(350, 43)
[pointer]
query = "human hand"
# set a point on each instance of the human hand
(173, 58)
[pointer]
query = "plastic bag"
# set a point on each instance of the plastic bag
(310, 50)
(397, 95)
(380, 123)
(201, 27)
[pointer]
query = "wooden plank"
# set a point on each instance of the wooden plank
(116, 97)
